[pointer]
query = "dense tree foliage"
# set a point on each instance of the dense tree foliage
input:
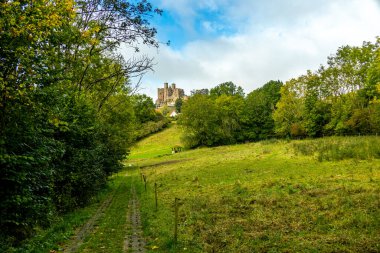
(341, 98)
(148, 120)
(178, 105)
(338, 99)
(200, 91)
(199, 116)
(260, 104)
(144, 108)
(228, 89)
(226, 117)
(67, 117)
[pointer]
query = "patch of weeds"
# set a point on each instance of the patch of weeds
(269, 141)
(239, 190)
(340, 148)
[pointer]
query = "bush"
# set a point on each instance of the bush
(151, 127)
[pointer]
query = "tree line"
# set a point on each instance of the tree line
(67, 110)
(340, 98)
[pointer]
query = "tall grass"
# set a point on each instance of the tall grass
(340, 148)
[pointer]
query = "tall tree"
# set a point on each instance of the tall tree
(178, 105)
(200, 91)
(65, 110)
(289, 113)
(144, 108)
(260, 105)
(227, 88)
(230, 113)
(200, 120)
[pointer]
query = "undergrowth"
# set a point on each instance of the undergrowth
(59, 234)
(340, 148)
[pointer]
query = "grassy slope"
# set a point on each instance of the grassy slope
(259, 197)
(159, 144)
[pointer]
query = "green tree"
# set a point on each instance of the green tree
(27, 144)
(316, 109)
(200, 121)
(227, 88)
(230, 113)
(144, 108)
(165, 111)
(346, 87)
(178, 105)
(288, 115)
(260, 105)
(200, 91)
(66, 116)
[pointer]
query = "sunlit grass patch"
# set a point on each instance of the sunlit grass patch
(159, 144)
(263, 197)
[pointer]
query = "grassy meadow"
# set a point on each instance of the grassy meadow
(318, 195)
(158, 144)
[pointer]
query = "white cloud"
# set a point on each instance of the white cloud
(281, 42)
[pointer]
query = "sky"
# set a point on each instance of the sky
(251, 42)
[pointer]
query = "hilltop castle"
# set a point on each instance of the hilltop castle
(168, 95)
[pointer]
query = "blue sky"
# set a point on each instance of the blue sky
(250, 42)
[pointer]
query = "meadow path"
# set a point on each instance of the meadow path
(135, 242)
(116, 224)
(81, 234)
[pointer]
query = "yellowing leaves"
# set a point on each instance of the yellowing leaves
(60, 124)
(94, 41)
(54, 20)
(86, 34)
(40, 18)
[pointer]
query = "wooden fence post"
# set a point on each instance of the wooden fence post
(155, 194)
(176, 220)
(144, 177)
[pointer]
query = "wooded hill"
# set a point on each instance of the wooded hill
(340, 98)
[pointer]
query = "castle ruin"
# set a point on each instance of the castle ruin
(168, 95)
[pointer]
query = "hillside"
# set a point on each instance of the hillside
(271, 196)
(159, 144)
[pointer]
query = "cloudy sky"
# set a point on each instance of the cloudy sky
(250, 42)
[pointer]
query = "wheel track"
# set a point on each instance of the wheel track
(79, 237)
(134, 241)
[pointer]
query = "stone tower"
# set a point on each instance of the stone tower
(168, 95)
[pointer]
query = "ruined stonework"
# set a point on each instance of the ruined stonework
(168, 95)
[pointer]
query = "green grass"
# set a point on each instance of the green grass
(271, 196)
(159, 144)
(63, 228)
(263, 197)
(109, 233)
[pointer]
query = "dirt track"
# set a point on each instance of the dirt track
(86, 229)
(134, 241)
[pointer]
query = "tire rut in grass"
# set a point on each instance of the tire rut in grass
(134, 241)
(86, 229)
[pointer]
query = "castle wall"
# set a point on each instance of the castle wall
(160, 94)
(168, 94)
